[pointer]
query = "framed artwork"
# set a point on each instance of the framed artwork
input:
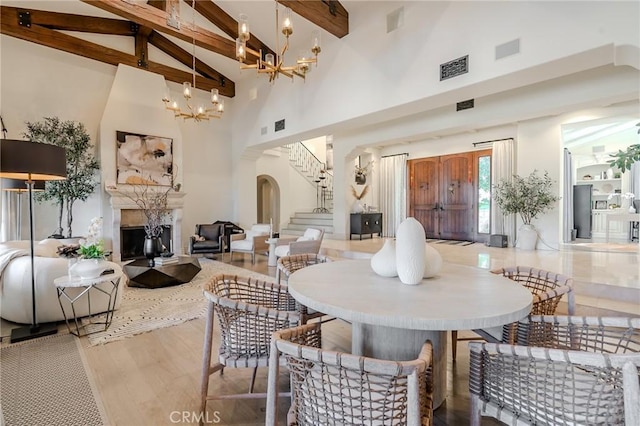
(601, 204)
(144, 159)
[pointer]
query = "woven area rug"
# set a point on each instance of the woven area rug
(45, 382)
(143, 310)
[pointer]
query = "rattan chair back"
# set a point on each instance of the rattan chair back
(329, 387)
(248, 311)
(572, 373)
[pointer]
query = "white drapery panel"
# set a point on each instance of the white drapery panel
(635, 180)
(503, 166)
(9, 223)
(393, 192)
(567, 199)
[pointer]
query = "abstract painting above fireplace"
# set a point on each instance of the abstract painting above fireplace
(144, 159)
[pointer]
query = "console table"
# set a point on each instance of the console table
(366, 223)
(624, 217)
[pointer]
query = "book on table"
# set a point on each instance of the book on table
(165, 260)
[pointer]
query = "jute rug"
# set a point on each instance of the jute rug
(143, 310)
(44, 382)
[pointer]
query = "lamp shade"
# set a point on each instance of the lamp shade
(16, 185)
(31, 160)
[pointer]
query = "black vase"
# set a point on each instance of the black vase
(152, 248)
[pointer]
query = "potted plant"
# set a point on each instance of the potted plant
(527, 196)
(81, 165)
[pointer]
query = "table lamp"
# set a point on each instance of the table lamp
(20, 187)
(30, 162)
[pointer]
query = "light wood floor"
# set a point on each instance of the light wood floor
(154, 378)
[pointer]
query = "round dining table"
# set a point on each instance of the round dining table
(392, 320)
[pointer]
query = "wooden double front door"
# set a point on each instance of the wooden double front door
(443, 195)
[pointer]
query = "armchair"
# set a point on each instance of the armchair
(573, 370)
(335, 388)
(208, 238)
(309, 242)
(252, 241)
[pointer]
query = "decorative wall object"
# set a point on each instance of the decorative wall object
(383, 262)
(144, 159)
(432, 261)
(410, 251)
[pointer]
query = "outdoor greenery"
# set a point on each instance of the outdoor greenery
(624, 159)
(527, 196)
(81, 165)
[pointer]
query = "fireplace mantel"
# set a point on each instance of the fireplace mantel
(123, 198)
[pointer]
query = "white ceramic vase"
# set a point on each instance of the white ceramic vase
(88, 268)
(383, 262)
(410, 251)
(357, 207)
(527, 237)
(432, 260)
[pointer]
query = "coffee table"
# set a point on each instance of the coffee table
(142, 275)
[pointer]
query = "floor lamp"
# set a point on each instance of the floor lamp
(31, 162)
(19, 187)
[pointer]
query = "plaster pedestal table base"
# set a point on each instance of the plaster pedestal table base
(403, 345)
(273, 260)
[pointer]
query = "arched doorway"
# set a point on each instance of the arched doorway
(268, 201)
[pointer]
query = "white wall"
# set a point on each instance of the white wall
(49, 82)
(296, 193)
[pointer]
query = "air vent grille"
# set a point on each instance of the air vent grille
(454, 68)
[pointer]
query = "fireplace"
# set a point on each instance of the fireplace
(132, 241)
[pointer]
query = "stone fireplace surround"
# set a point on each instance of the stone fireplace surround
(126, 213)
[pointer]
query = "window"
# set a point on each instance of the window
(484, 194)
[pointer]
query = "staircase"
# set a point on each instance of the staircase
(320, 181)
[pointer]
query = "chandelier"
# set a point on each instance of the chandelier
(272, 65)
(198, 112)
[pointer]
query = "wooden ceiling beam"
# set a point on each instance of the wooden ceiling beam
(70, 22)
(61, 41)
(227, 24)
(167, 46)
(143, 14)
(327, 14)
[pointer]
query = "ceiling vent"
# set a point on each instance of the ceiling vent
(468, 104)
(507, 49)
(395, 20)
(263, 130)
(454, 68)
(279, 125)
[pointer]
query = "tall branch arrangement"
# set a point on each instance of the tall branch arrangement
(153, 201)
(528, 196)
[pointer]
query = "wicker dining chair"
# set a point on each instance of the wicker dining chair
(334, 388)
(248, 311)
(287, 265)
(547, 289)
(570, 372)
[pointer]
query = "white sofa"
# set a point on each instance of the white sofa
(15, 283)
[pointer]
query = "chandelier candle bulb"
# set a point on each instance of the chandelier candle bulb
(214, 96)
(186, 89)
(315, 42)
(287, 28)
(243, 27)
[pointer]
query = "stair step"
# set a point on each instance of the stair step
(297, 227)
(311, 215)
(310, 222)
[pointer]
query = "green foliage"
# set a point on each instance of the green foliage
(92, 251)
(528, 196)
(624, 159)
(82, 165)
